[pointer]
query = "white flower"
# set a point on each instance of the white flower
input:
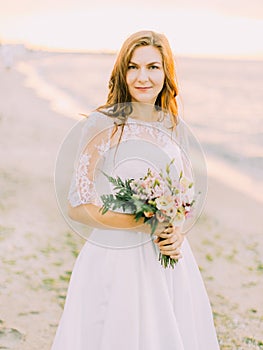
(164, 203)
(171, 212)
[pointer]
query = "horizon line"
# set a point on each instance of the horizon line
(35, 47)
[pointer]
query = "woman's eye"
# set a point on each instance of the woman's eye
(131, 67)
(154, 67)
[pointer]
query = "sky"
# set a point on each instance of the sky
(193, 27)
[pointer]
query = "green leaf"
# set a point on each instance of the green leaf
(138, 216)
(181, 175)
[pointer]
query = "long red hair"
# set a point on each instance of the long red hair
(118, 88)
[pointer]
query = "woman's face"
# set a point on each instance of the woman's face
(145, 75)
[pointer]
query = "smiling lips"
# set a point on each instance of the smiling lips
(143, 88)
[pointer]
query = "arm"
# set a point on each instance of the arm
(83, 199)
(89, 214)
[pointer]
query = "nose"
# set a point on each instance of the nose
(142, 75)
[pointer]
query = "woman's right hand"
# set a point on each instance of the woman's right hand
(170, 242)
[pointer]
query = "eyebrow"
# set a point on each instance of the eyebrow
(148, 64)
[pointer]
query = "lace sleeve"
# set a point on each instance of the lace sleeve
(95, 140)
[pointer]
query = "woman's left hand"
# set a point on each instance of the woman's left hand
(170, 241)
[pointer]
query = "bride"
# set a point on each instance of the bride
(119, 296)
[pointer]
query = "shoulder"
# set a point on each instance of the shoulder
(97, 127)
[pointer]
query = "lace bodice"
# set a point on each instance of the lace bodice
(142, 145)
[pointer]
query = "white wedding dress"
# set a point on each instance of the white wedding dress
(119, 296)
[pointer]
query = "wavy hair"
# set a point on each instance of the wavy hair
(118, 88)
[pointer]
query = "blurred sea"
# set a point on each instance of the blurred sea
(221, 100)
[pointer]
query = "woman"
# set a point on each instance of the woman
(123, 298)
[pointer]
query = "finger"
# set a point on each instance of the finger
(169, 241)
(169, 229)
(162, 234)
(170, 251)
(169, 247)
(172, 238)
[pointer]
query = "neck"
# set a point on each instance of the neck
(145, 112)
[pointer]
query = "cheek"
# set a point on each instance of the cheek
(161, 79)
(129, 77)
(158, 79)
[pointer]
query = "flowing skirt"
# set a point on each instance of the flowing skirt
(123, 299)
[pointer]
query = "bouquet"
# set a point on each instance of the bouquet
(156, 197)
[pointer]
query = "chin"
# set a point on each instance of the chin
(145, 100)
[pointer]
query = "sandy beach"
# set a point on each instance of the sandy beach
(38, 249)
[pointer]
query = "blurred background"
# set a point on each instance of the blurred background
(207, 28)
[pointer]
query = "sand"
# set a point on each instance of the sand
(38, 249)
